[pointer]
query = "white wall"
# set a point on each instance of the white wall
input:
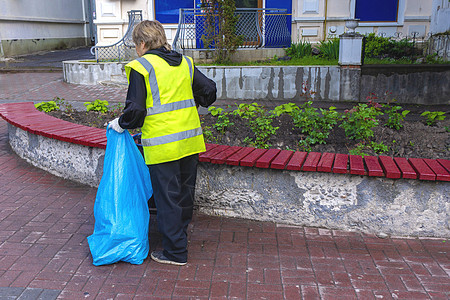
(440, 18)
(39, 21)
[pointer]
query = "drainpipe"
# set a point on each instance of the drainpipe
(325, 21)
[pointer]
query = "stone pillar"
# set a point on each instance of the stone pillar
(350, 49)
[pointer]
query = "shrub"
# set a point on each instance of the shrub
(385, 47)
(317, 126)
(395, 117)
(359, 121)
(220, 30)
(329, 49)
(260, 122)
(299, 50)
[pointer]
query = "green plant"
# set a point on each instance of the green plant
(379, 148)
(395, 117)
(434, 59)
(46, 106)
(287, 108)
(329, 49)
(223, 119)
(361, 147)
(299, 50)
(214, 111)
(260, 122)
(431, 117)
(385, 47)
(97, 105)
(207, 134)
(116, 109)
(358, 150)
(316, 126)
(220, 32)
(359, 121)
(67, 107)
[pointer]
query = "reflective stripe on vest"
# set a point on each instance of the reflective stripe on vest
(159, 108)
(171, 137)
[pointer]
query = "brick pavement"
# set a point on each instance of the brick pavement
(44, 222)
(35, 86)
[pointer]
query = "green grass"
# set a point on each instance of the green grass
(387, 61)
(304, 61)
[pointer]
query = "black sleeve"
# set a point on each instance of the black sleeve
(134, 112)
(204, 89)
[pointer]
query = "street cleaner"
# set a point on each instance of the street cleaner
(164, 92)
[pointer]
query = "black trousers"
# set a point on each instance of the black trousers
(173, 189)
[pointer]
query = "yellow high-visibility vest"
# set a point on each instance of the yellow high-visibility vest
(171, 128)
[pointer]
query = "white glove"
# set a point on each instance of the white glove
(114, 124)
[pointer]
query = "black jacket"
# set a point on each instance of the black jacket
(134, 113)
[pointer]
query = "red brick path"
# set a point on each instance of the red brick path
(46, 86)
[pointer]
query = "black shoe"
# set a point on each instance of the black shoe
(158, 256)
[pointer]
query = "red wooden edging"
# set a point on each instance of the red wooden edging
(441, 173)
(406, 169)
(340, 164)
(206, 156)
(357, 165)
(210, 146)
(311, 161)
(265, 160)
(373, 166)
(425, 173)
(250, 160)
(390, 168)
(26, 117)
(240, 154)
(221, 157)
(445, 163)
(207, 147)
(326, 162)
(296, 162)
(282, 159)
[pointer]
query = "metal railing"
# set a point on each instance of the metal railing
(259, 28)
(123, 50)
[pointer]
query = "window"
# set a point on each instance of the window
(376, 11)
(168, 11)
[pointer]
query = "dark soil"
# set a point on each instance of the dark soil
(415, 139)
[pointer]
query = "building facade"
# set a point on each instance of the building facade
(313, 20)
(29, 26)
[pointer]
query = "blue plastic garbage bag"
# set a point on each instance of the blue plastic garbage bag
(121, 210)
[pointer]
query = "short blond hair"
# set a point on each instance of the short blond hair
(152, 34)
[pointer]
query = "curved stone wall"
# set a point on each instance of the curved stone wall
(372, 204)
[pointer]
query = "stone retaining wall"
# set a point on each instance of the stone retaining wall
(412, 84)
